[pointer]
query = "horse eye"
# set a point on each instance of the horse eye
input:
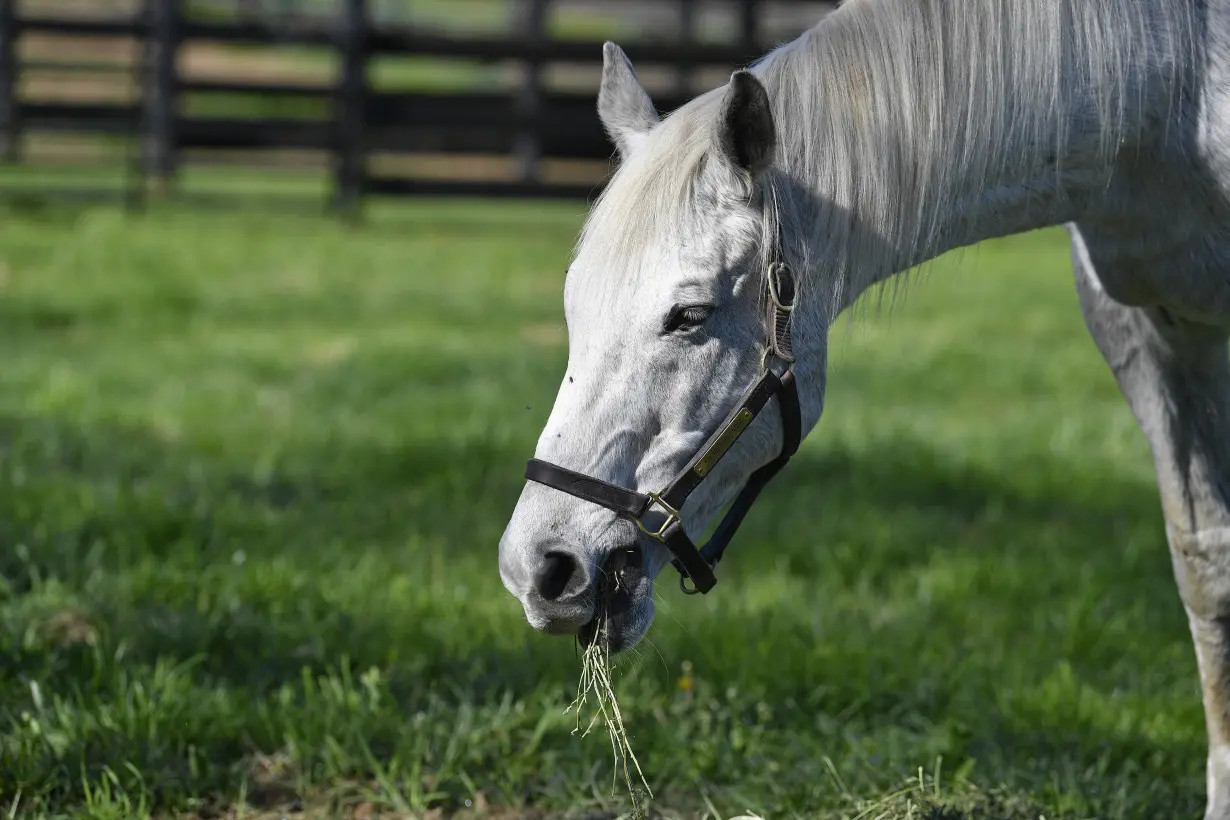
(687, 317)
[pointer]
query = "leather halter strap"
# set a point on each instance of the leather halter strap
(692, 562)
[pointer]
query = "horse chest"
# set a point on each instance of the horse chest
(1176, 256)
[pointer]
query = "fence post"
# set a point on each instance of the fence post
(350, 110)
(10, 124)
(134, 164)
(527, 149)
(687, 36)
(749, 20)
(161, 90)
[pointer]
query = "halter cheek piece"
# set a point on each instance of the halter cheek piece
(692, 562)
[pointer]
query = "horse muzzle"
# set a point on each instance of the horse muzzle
(623, 601)
(565, 590)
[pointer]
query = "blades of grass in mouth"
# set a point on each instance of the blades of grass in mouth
(596, 681)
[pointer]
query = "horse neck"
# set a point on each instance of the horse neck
(919, 126)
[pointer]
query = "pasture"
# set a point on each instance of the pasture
(255, 468)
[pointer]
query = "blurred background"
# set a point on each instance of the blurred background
(384, 97)
(281, 319)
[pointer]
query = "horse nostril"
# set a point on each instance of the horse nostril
(552, 578)
(625, 558)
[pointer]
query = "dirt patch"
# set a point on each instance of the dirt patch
(295, 808)
(61, 48)
(50, 85)
(52, 70)
(78, 8)
(295, 159)
(485, 168)
(69, 627)
(266, 64)
(54, 77)
(442, 166)
(272, 795)
(367, 811)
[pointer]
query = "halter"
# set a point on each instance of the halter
(692, 562)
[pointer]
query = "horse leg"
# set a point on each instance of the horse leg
(1176, 378)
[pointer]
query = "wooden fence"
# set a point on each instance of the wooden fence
(526, 137)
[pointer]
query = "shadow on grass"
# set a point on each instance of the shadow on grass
(107, 498)
(146, 537)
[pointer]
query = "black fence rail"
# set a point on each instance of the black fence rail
(347, 118)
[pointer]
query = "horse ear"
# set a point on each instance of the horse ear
(624, 107)
(746, 136)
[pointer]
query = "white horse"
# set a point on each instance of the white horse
(891, 132)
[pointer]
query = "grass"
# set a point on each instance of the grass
(255, 468)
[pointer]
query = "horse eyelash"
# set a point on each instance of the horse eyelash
(678, 311)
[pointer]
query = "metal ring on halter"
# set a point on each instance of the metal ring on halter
(774, 293)
(771, 352)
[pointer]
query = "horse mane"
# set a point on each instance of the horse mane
(891, 110)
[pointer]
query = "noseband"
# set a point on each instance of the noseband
(692, 562)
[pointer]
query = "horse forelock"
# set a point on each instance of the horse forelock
(648, 205)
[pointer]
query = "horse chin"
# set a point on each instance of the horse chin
(614, 634)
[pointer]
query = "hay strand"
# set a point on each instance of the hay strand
(596, 682)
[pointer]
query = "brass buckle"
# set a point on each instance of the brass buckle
(672, 516)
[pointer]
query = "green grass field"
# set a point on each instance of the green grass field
(255, 468)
